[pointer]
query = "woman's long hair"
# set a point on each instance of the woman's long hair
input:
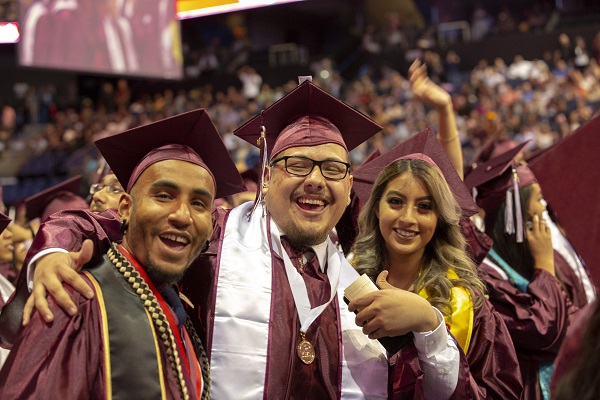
(445, 250)
(517, 255)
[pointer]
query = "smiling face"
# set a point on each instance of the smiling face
(108, 196)
(407, 220)
(307, 208)
(169, 216)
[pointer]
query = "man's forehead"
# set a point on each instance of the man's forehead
(321, 151)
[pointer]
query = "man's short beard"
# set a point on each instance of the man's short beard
(162, 277)
(299, 238)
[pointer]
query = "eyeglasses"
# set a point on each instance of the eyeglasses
(302, 166)
(114, 189)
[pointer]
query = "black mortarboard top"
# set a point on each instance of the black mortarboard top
(568, 175)
(424, 142)
(63, 196)
(193, 129)
(308, 100)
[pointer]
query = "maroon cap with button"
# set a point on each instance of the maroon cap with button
(423, 146)
(63, 196)
(190, 137)
(308, 116)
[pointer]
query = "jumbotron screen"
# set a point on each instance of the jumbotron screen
(198, 8)
(120, 37)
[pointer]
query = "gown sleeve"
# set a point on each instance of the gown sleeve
(66, 230)
(490, 369)
(60, 360)
(536, 319)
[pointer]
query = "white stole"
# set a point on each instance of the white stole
(242, 311)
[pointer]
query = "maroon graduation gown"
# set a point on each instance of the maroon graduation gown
(287, 376)
(571, 350)
(64, 359)
(537, 320)
(489, 369)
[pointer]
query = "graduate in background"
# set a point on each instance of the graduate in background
(527, 285)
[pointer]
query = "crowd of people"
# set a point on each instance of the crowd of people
(518, 98)
(167, 286)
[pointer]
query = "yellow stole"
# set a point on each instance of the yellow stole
(461, 320)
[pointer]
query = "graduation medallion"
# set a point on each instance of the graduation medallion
(305, 350)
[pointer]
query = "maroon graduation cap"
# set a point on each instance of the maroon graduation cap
(491, 148)
(190, 136)
(63, 196)
(493, 177)
(568, 176)
(425, 143)
(308, 116)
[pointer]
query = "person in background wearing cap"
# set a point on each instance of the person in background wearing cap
(250, 177)
(133, 332)
(6, 287)
(583, 290)
(525, 283)
(105, 193)
(410, 241)
(62, 196)
(271, 314)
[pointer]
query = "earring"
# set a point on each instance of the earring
(124, 226)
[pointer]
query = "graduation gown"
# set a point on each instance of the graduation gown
(286, 376)
(489, 370)
(69, 358)
(537, 319)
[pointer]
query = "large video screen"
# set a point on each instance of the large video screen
(198, 8)
(121, 37)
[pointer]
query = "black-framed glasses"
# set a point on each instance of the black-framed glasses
(113, 189)
(302, 166)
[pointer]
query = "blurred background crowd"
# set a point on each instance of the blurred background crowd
(528, 70)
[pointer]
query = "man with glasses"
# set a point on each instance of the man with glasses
(106, 193)
(268, 291)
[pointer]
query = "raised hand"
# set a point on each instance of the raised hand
(540, 244)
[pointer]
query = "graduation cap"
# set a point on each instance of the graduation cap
(4, 221)
(567, 173)
(251, 178)
(425, 146)
(492, 178)
(190, 137)
(308, 116)
(493, 147)
(63, 196)
(500, 179)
